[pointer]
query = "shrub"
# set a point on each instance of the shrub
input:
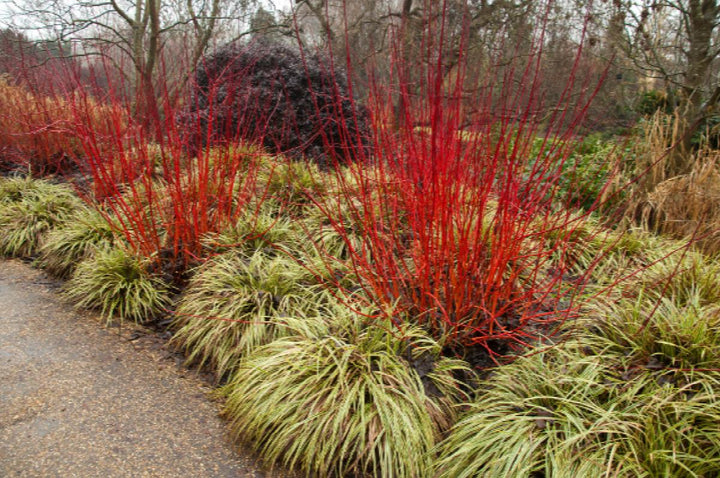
(40, 133)
(454, 215)
(165, 202)
(118, 285)
(338, 397)
(289, 101)
(652, 101)
(587, 173)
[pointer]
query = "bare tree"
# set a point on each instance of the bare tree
(134, 31)
(678, 43)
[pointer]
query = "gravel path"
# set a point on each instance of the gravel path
(80, 400)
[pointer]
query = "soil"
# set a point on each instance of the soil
(79, 399)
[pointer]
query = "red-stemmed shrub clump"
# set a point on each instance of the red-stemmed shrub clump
(161, 199)
(38, 131)
(464, 230)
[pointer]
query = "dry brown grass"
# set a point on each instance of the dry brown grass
(653, 155)
(688, 206)
(684, 206)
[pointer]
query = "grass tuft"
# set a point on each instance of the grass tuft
(665, 335)
(265, 228)
(533, 415)
(339, 398)
(678, 432)
(234, 301)
(563, 413)
(119, 286)
(29, 209)
(65, 247)
(294, 184)
(13, 188)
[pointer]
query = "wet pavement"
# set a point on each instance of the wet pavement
(81, 400)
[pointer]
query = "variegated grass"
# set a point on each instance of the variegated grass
(79, 238)
(29, 209)
(119, 285)
(235, 301)
(339, 396)
(563, 413)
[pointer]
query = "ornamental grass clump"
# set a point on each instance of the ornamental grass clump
(13, 188)
(333, 224)
(118, 284)
(673, 197)
(238, 301)
(341, 396)
(539, 415)
(265, 227)
(333, 234)
(675, 348)
(29, 210)
(84, 233)
(564, 413)
(295, 184)
(684, 277)
(616, 261)
(662, 334)
(676, 431)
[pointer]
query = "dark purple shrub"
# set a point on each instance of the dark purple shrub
(289, 101)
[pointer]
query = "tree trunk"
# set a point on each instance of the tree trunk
(403, 66)
(701, 21)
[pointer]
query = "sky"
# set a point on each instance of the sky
(9, 8)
